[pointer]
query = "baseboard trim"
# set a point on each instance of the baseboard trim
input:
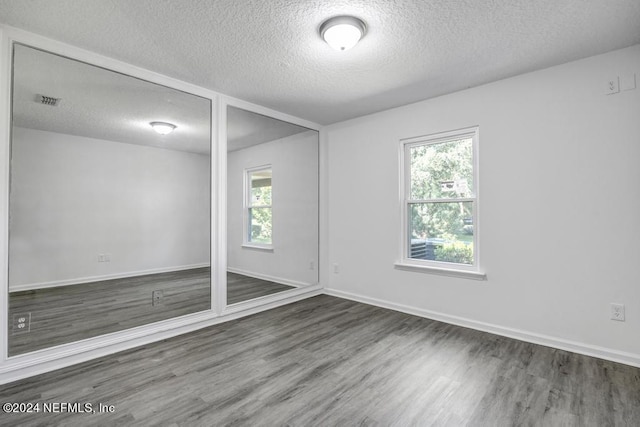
(545, 340)
(39, 362)
(81, 280)
(266, 277)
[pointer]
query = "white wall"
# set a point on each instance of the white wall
(294, 162)
(73, 198)
(559, 207)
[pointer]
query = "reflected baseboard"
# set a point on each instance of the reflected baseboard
(272, 300)
(266, 277)
(90, 279)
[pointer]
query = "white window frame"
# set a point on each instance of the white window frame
(248, 205)
(430, 266)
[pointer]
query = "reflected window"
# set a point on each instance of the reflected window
(259, 226)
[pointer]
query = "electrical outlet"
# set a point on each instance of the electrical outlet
(612, 86)
(617, 312)
(336, 268)
(21, 323)
(157, 298)
(312, 265)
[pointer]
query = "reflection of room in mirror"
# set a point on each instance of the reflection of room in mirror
(272, 206)
(71, 313)
(243, 288)
(104, 212)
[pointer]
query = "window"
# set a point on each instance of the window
(439, 186)
(259, 222)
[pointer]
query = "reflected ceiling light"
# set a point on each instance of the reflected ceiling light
(342, 32)
(162, 128)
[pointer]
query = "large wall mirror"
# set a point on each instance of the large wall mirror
(272, 206)
(109, 221)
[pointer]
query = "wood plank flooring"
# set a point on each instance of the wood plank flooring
(325, 361)
(242, 288)
(71, 313)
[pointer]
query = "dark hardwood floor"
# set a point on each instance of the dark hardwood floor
(243, 288)
(71, 313)
(326, 361)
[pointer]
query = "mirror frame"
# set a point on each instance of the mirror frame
(222, 141)
(280, 298)
(29, 364)
(18, 50)
(9, 37)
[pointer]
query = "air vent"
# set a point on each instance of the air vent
(48, 100)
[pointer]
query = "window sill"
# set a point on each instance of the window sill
(264, 248)
(441, 271)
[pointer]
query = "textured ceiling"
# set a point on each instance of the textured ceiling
(269, 52)
(101, 104)
(245, 129)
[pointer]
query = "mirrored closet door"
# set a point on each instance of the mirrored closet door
(272, 206)
(109, 217)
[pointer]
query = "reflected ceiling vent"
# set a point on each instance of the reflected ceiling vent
(48, 100)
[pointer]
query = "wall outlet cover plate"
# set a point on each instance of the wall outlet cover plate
(21, 323)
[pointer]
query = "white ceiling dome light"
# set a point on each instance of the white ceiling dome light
(163, 128)
(342, 32)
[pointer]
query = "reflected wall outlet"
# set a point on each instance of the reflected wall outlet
(156, 298)
(21, 323)
(617, 312)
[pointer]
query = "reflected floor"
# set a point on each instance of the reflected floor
(71, 313)
(243, 288)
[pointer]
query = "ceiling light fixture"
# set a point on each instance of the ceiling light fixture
(342, 32)
(162, 128)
